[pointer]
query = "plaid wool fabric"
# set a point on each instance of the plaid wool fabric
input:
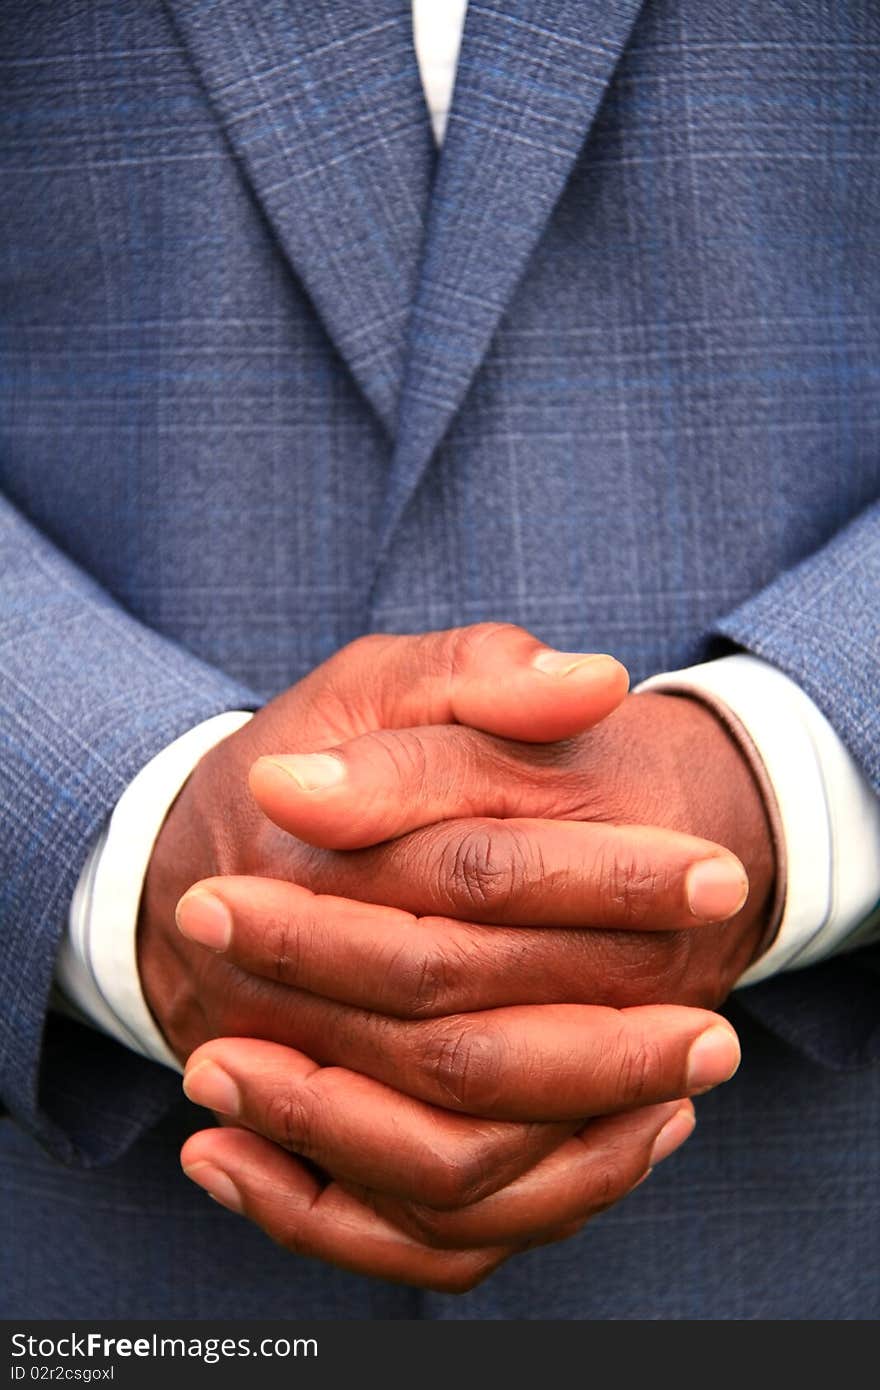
(275, 374)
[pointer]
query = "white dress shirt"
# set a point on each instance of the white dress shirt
(827, 816)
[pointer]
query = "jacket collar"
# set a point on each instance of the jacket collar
(322, 105)
(530, 80)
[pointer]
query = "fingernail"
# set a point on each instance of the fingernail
(564, 663)
(713, 1058)
(216, 1183)
(673, 1135)
(209, 1085)
(716, 889)
(312, 772)
(205, 919)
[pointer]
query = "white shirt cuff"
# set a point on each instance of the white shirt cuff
(97, 969)
(828, 811)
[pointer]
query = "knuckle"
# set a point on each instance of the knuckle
(464, 645)
(487, 867)
(463, 1059)
(402, 752)
(420, 982)
(639, 1068)
(433, 986)
(286, 952)
(630, 884)
(426, 1224)
(350, 702)
(288, 1121)
(607, 1186)
(454, 1181)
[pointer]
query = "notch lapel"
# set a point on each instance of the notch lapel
(323, 107)
(530, 79)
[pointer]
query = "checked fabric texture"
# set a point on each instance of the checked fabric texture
(275, 374)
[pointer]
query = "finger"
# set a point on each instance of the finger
(531, 873)
(249, 1174)
(360, 1129)
(541, 1062)
(390, 962)
(582, 1177)
(542, 873)
(491, 676)
(545, 1062)
(384, 783)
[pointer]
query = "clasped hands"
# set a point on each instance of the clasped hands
(452, 913)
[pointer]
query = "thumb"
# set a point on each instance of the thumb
(491, 676)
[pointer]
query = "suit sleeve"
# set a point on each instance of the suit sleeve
(88, 696)
(820, 623)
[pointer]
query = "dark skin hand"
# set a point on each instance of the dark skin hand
(659, 760)
(532, 870)
(446, 1249)
(503, 1063)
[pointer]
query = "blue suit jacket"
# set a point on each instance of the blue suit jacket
(274, 374)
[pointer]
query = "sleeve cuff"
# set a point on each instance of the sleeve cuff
(97, 964)
(828, 816)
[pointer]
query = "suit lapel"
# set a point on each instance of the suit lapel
(323, 107)
(530, 79)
